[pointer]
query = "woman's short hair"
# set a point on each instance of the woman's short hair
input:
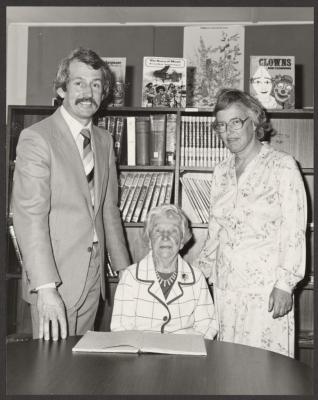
(170, 211)
(85, 56)
(228, 97)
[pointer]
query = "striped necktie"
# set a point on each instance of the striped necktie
(88, 160)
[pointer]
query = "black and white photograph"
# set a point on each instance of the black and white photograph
(158, 230)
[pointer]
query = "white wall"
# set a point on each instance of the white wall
(17, 59)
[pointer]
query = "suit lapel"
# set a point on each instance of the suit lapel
(100, 159)
(65, 141)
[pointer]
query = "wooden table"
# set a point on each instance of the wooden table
(40, 367)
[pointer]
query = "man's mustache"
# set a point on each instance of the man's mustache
(86, 99)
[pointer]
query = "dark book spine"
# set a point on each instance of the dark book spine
(171, 139)
(142, 140)
(157, 139)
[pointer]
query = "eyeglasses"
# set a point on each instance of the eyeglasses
(234, 124)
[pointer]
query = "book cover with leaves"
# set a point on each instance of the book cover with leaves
(272, 81)
(164, 82)
(215, 60)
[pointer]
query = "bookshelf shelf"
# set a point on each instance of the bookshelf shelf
(146, 168)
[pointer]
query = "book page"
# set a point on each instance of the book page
(110, 342)
(173, 343)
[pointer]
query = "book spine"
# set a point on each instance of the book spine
(131, 141)
(15, 244)
(171, 139)
(130, 195)
(182, 133)
(124, 190)
(142, 140)
(163, 189)
(190, 143)
(156, 193)
(157, 139)
(135, 197)
(118, 138)
(148, 198)
(169, 188)
(141, 198)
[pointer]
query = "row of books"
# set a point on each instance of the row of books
(139, 192)
(197, 190)
(143, 140)
(200, 146)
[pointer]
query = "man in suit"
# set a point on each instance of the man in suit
(64, 203)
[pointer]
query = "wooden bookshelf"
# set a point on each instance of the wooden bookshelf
(295, 136)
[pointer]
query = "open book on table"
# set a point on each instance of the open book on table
(141, 342)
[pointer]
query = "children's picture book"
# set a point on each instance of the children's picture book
(117, 66)
(272, 81)
(141, 342)
(215, 60)
(164, 82)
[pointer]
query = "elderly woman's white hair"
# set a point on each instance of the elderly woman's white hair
(170, 211)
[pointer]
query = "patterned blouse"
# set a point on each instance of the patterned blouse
(257, 225)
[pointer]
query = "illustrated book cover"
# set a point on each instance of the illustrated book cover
(141, 342)
(164, 82)
(117, 67)
(272, 81)
(215, 60)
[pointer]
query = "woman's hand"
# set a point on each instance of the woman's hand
(280, 301)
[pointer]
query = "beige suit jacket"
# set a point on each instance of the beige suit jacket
(52, 211)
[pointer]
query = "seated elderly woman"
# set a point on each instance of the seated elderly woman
(163, 293)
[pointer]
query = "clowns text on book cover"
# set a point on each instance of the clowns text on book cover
(215, 60)
(272, 81)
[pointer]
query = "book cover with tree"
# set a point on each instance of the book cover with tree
(215, 60)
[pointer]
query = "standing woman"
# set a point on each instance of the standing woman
(255, 250)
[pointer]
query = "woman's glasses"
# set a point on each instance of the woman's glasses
(234, 124)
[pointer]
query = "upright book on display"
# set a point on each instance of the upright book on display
(117, 66)
(272, 81)
(164, 82)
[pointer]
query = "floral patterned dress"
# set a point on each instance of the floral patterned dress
(256, 241)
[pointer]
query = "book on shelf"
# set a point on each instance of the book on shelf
(135, 197)
(141, 342)
(164, 82)
(163, 189)
(117, 66)
(131, 141)
(124, 188)
(15, 244)
(148, 198)
(110, 272)
(132, 189)
(171, 139)
(142, 140)
(142, 197)
(157, 139)
(168, 195)
(272, 81)
(119, 138)
(156, 192)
